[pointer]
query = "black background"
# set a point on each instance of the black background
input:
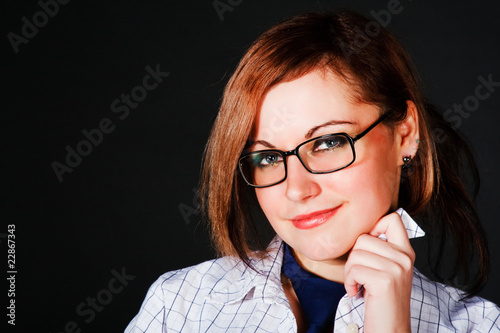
(122, 207)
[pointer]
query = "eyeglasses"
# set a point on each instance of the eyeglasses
(323, 154)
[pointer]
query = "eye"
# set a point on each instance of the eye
(329, 143)
(266, 159)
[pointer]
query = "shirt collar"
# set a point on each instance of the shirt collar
(264, 281)
(412, 228)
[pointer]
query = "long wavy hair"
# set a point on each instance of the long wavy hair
(381, 73)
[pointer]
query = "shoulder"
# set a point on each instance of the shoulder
(191, 298)
(198, 281)
(218, 294)
(436, 306)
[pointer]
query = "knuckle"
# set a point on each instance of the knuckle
(355, 253)
(412, 255)
(355, 269)
(406, 261)
(394, 217)
(408, 264)
(361, 239)
(398, 270)
(387, 281)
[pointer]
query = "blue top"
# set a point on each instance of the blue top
(318, 297)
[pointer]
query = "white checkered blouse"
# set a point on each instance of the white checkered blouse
(223, 295)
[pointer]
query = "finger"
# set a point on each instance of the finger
(400, 254)
(396, 263)
(394, 272)
(393, 228)
(387, 298)
(351, 288)
(378, 278)
(360, 276)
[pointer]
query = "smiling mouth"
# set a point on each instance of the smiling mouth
(315, 219)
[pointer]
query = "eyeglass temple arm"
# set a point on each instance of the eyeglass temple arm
(362, 134)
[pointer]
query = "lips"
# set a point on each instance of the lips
(308, 221)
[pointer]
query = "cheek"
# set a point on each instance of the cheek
(372, 181)
(369, 175)
(386, 171)
(268, 199)
(378, 176)
(273, 202)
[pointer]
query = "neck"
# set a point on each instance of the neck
(332, 269)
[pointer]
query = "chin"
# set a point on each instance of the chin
(326, 252)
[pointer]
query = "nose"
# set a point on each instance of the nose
(301, 185)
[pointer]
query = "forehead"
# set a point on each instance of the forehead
(299, 105)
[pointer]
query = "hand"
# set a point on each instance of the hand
(385, 270)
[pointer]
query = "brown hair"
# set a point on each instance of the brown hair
(380, 72)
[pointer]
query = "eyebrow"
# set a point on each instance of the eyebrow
(328, 123)
(261, 142)
(308, 135)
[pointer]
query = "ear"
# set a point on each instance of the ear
(407, 132)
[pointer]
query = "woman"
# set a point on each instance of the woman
(324, 131)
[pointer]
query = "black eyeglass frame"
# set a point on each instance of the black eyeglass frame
(295, 152)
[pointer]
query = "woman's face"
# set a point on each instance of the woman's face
(321, 215)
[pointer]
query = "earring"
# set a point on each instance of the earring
(408, 164)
